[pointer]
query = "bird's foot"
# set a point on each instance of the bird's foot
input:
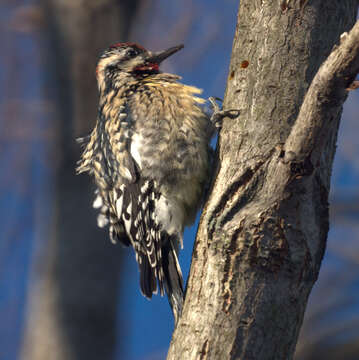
(218, 114)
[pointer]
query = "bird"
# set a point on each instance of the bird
(150, 156)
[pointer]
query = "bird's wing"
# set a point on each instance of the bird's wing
(127, 200)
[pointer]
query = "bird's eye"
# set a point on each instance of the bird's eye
(131, 52)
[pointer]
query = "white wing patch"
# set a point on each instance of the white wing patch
(136, 143)
(129, 219)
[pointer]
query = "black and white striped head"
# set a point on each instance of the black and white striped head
(130, 59)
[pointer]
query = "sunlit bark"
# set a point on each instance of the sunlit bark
(263, 230)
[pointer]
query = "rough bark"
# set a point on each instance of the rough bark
(263, 230)
(73, 300)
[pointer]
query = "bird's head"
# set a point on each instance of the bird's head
(132, 59)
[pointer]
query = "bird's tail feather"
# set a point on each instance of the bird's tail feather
(173, 280)
(148, 282)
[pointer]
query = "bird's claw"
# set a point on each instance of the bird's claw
(218, 114)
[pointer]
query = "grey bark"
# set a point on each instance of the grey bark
(74, 296)
(263, 231)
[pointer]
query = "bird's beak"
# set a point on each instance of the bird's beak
(158, 57)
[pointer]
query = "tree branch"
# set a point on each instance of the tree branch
(324, 98)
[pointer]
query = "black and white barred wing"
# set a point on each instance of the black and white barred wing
(128, 203)
(146, 235)
(129, 211)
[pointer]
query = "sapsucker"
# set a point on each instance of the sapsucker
(150, 157)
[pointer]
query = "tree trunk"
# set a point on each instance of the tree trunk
(73, 302)
(263, 231)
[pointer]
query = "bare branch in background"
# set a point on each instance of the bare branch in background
(74, 292)
(27, 18)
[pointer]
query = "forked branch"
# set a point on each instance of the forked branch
(324, 98)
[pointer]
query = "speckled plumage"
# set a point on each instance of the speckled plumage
(150, 158)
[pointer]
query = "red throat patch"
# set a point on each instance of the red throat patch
(147, 67)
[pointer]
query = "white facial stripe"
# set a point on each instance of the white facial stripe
(103, 63)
